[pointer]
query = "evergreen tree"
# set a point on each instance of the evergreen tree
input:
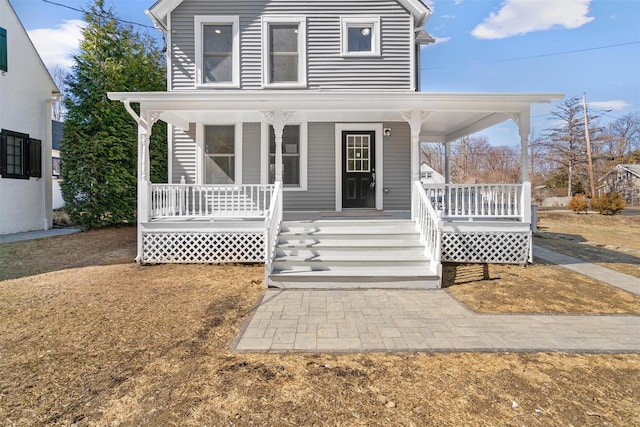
(99, 148)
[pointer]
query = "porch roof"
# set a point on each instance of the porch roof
(446, 116)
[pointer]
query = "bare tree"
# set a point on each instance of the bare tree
(59, 76)
(623, 135)
(565, 142)
(433, 155)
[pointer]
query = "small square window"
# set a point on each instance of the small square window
(360, 36)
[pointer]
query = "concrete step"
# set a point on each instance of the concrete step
(351, 254)
(341, 277)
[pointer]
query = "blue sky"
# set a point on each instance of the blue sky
(558, 46)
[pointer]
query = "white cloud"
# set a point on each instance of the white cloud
(56, 45)
(617, 104)
(441, 39)
(457, 2)
(524, 16)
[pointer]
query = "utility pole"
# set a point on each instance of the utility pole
(586, 134)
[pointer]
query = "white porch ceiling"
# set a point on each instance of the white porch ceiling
(446, 117)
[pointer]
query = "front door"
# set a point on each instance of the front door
(358, 169)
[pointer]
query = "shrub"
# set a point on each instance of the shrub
(608, 204)
(578, 203)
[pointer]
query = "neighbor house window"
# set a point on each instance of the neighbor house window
(20, 156)
(4, 66)
(284, 51)
(220, 154)
(55, 167)
(218, 51)
(360, 36)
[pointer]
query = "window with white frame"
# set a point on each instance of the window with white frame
(220, 155)
(284, 51)
(360, 36)
(217, 51)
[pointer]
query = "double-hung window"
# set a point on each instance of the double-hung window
(20, 156)
(217, 51)
(284, 51)
(360, 36)
(4, 66)
(220, 154)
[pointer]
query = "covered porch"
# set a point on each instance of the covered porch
(193, 221)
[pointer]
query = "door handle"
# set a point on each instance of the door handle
(372, 185)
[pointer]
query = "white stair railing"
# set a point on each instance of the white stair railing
(273, 223)
(428, 224)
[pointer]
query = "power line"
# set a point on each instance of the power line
(101, 16)
(520, 58)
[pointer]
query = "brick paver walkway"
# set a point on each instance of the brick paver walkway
(419, 320)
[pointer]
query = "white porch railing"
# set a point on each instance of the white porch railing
(428, 223)
(273, 223)
(479, 200)
(189, 200)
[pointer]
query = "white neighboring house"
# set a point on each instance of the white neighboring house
(429, 175)
(26, 93)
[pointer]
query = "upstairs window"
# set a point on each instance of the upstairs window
(284, 51)
(20, 156)
(360, 36)
(4, 66)
(217, 51)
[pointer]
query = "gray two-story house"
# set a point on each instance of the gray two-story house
(294, 134)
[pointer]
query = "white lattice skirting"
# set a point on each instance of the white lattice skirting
(489, 247)
(202, 248)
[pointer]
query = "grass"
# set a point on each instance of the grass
(89, 338)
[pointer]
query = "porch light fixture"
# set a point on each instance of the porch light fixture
(387, 132)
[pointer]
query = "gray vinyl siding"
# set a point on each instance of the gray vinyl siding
(326, 69)
(321, 172)
(397, 167)
(183, 161)
(251, 153)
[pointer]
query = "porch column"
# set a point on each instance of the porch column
(415, 118)
(523, 121)
(447, 162)
(277, 119)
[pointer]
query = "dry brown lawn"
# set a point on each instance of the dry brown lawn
(91, 339)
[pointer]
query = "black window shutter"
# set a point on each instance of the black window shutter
(35, 158)
(4, 65)
(3, 155)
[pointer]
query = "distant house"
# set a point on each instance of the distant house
(429, 175)
(56, 193)
(624, 179)
(26, 93)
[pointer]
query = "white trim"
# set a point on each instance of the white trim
(412, 58)
(264, 154)
(301, 21)
(237, 150)
(200, 21)
(170, 153)
(378, 129)
(348, 21)
(168, 42)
